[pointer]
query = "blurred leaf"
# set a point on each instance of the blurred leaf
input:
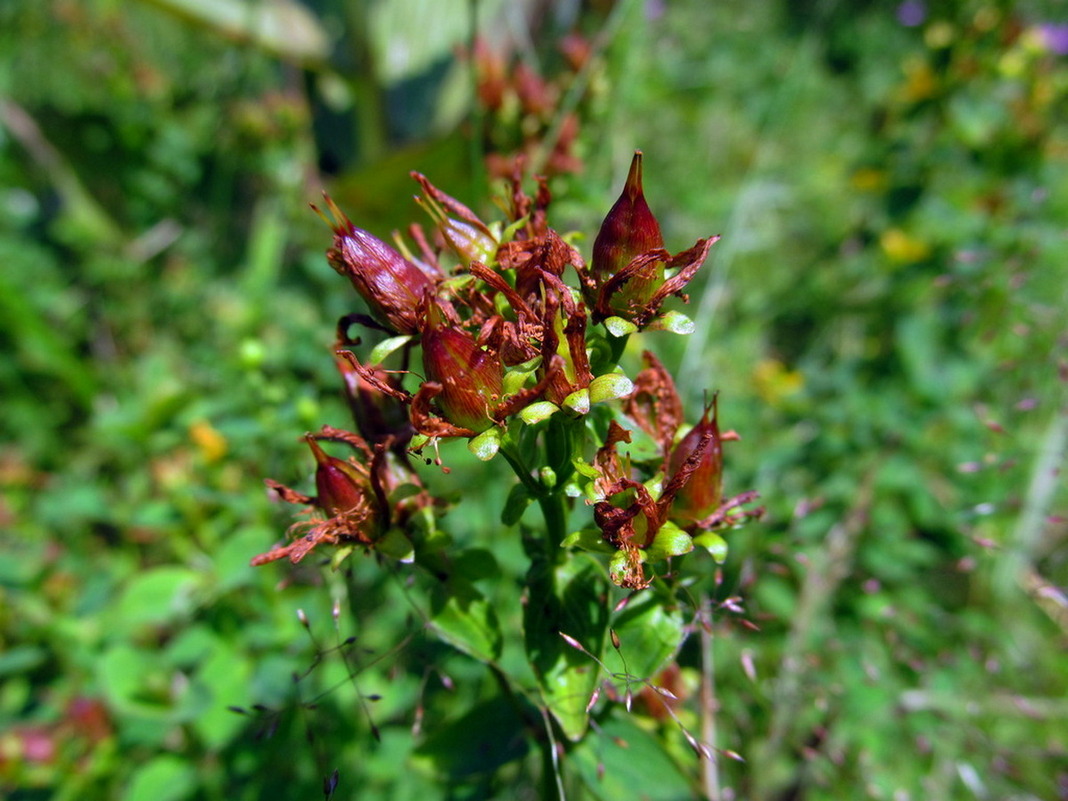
(488, 736)
(165, 778)
(157, 596)
(626, 761)
(281, 27)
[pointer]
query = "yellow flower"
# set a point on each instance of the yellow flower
(902, 248)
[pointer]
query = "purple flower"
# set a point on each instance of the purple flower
(911, 13)
(1055, 38)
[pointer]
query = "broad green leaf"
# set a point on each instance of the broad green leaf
(578, 401)
(157, 596)
(670, 540)
(567, 599)
(165, 778)
(673, 321)
(626, 761)
(536, 412)
(650, 630)
(462, 617)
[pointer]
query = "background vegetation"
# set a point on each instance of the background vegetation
(885, 318)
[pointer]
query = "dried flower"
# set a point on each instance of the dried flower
(347, 506)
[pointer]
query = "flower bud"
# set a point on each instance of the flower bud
(629, 230)
(471, 377)
(392, 286)
(697, 462)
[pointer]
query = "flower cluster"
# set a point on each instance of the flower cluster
(481, 337)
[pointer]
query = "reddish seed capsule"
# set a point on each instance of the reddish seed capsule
(392, 286)
(629, 230)
(700, 451)
(338, 485)
(470, 376)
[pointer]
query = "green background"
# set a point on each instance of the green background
(884, 317)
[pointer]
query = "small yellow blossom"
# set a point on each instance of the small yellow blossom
(211, 444)
(902, 248)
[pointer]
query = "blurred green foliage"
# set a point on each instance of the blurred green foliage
(885, 317)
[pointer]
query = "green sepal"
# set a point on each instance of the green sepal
(673, 321)
(486, 444)
(387, 346)
(670, 540)
(714, 544)
(618, 327)
(396, 545)
(619, 566)
(610, 386)
(587, 539)
(340, 555)
(536, 412)
(578, 401)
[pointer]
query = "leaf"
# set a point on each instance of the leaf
(714, 544)
(518, 501)
(651, 631)
(567, 599)
(165, 778)
(673, 321)
(386, 347)
(158, 595)
(536, 412)
(609, 387)
(490, 735)
(463, 618)
(627, 762)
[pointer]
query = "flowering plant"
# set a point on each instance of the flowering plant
(479, 336)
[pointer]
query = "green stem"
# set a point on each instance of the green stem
(555, 512)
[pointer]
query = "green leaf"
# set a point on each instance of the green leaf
(568, 599)
(490, 735)
(626, 761)
(609, 387)
(387, 346)
(165, 778)
(618, 327)
(396, 545)
(651, 629)
(462, 617)
(158, 595)
(518, 501)
(714, 544)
